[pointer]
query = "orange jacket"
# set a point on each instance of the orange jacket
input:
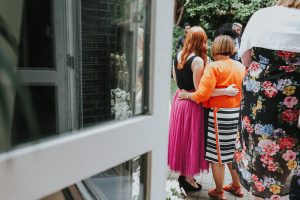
(220, 74)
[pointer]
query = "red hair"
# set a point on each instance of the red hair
(195, 42)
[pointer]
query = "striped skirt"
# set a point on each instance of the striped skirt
(221, 134)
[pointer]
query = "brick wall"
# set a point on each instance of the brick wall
(99, 39)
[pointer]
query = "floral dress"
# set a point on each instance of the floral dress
(267, 147)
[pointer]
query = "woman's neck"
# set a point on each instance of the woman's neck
(180, 53)
(221, 57)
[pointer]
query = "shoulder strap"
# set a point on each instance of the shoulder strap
(191, 59)
(176, 60)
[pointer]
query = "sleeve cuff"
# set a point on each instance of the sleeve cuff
(193, 97)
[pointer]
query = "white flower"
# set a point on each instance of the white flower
(136, 185)
(120, 103)
(173, 191)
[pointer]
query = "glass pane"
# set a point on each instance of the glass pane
(28, 84)
(113, 64)
(141, 60)
(109, 82)
(27, 34)
(41, 121)
(123, 182)
(36, 46)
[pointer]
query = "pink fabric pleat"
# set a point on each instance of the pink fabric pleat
(186, 138)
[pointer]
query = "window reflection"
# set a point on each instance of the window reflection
(36, 48)
(40, 91)
(119, 59)
(45, 121)
(123, 182)
(27, 33)
(28, 94)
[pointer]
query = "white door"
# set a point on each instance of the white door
(39, 169)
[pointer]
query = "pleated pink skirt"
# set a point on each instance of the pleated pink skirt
(186, 138)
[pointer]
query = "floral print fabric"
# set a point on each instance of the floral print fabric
(267, 148)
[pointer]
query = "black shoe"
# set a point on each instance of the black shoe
(199, 186)
(182, 178)
(188, 187)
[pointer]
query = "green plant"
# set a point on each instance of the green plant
(177, 32)
(210, 14)
(245, 11)
(173, 190)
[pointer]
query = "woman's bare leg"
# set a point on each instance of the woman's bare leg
(235, 178)
(234, 175)
(218, 171)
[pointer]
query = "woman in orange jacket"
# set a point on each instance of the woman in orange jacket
(223, 115)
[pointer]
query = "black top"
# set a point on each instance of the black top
(184, 76)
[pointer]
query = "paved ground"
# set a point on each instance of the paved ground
(206, 180)
(207, 183)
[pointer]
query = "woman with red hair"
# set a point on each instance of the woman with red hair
(186, 132)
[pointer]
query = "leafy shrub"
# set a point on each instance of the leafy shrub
(177, 32)
(212, 13)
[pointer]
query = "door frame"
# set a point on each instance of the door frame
(39, 169)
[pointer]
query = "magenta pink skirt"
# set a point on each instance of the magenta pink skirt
(186, 138)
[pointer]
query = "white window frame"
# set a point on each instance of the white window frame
(37, 170)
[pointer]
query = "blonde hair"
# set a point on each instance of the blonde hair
(289, 3)
(223, 45)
